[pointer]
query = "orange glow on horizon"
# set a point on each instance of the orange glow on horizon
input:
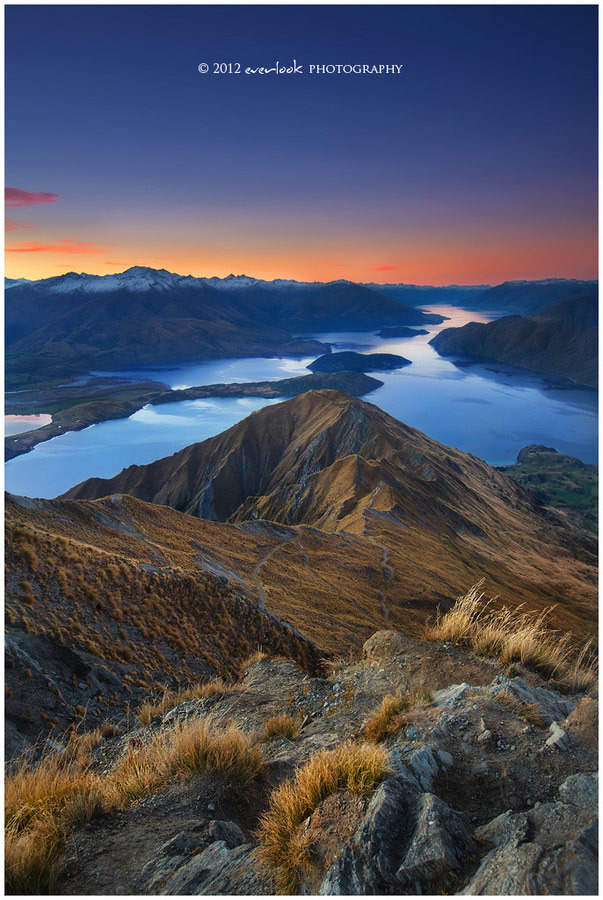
(486, 262)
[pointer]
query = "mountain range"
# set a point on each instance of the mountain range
(528, 297)
(559, 340)
(63, 326)
(66, 325)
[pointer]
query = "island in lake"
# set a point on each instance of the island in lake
(349, 361)
(401, 331)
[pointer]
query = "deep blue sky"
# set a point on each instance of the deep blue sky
(478, 163)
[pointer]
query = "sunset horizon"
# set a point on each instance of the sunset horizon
(437, 173)
(372, 276)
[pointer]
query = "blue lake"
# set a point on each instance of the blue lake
(490, 410)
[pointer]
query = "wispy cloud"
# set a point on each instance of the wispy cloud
(14, 225)
(15, 197)
(386, 268)
(61, 247)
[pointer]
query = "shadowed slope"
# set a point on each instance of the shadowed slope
(561, 340)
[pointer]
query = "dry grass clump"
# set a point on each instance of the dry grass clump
(109, 729)
(58, 787)
(527, 711)
(387, 717)
(515, 636)
(191, 746)
(256, 657)
(44, 801)
(30, 859)
(283, 725)
(169, 699)
(353, 767)
(583, 671)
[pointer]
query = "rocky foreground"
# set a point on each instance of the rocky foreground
(490, 786)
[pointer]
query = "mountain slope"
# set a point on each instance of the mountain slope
(100, 610)
(561, 340)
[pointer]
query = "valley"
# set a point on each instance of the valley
(150, 316)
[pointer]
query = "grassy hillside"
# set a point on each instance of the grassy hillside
(560, 481)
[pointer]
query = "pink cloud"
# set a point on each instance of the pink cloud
(61, 247)
(15, 197)
(383, 268)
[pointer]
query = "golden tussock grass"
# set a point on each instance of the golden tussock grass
(191, 746)
(353, 767)
(43, 801)
(30, 858)
(387, 718)
(516, 636)
(282, 725)
(59, 787)
(256, 657)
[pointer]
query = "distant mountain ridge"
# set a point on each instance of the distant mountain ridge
(527, 297)
(138, 278)
(71, 323)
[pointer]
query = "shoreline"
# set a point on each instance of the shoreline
(93, 411)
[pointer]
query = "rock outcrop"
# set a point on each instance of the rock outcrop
(454, 813)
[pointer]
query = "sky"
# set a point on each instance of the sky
(476, 164)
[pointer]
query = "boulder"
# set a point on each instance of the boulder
(387, 645)
(220, 870)
(425, 766)
(451, 696)
(172, 857)
(441, 841)
(551, 849)
(551, 706)
(407, 839)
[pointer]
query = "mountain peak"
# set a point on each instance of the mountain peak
(303, 461)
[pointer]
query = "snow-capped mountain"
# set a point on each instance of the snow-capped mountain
(143, 278)
(13, 282)
(137, 278)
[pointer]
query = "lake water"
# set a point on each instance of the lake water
(490, 410)
(22, 424)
